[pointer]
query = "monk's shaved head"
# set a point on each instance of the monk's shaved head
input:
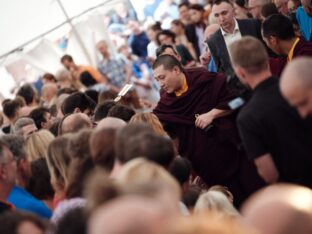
(296, 85)
(280, 209)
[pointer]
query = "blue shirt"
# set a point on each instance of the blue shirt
(138, 44)
(23, 200)
(212, 67)
(305, 23)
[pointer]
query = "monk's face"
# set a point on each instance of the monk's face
(169, 80)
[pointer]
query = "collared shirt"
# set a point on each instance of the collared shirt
(183, 89)
(231, 37)
(114, 69)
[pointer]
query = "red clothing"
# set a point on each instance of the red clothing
(214, 155)
(302, 48)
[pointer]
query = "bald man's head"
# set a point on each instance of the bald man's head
(74, 122)
(128, 215)
(111, 122)
(280, 209)
(296, 85)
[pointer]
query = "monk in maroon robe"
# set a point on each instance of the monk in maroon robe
(194, 104)
(302, 48)
(278, 34)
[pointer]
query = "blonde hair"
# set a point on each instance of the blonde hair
(150, 119)
(215, 201)
(37, 144)
(142, 172)
(58, 162)
(209, 222)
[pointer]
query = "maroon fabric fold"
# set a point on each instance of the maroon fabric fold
(215, 155)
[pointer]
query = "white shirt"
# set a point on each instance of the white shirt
(231, 37)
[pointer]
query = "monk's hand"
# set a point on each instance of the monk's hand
(203, 120)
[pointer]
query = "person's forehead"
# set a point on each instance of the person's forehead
(159, 70)
(221, 7)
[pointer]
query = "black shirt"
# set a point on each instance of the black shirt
(267, 124)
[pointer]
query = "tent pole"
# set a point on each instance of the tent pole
(84, 49)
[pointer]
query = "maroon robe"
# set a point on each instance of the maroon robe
(302, 48)
(215, 155)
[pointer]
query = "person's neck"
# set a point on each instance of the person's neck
(287, 45)
(230, 29)
(182, 79)
(255, 80)
(5, 191)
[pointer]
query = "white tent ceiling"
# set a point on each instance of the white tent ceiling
(22, 21)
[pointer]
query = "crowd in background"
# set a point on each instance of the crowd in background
(214, 135)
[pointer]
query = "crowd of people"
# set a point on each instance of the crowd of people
(214, 135)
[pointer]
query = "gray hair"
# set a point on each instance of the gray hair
(16, 145)
(20, 123)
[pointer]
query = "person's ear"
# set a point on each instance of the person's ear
(77, 110)
(240, 72)
(273, 40)
(176, 70)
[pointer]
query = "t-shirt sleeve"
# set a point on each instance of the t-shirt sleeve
(253, 136)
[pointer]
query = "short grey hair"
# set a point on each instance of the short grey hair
(16, 144)
(20, 123)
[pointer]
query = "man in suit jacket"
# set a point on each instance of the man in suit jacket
(230, 30)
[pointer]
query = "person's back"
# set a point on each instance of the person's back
(280, 131)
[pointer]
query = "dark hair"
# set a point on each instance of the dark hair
(77, 100)
(218, 2)
(107, 96)
(102, 148)
(121, 112)
(197, 7)
(39, 183)
(67, 57)
(180, 169)
(241, 3)
(37, 115)
(186, 4)
(27, 92)
(73, 222)
(102, 110)
(11, 221)
(293, 18)
(278, 26)
(49, 77)
(10, 108)
(87, 79)
(269, 9)
(78, 172)
(191, 196)
(161, 49)
(168, 61)
(93, 94)
(124, 134)
(178, 23)
(167, 33)
(151, 146)
(156, 26)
